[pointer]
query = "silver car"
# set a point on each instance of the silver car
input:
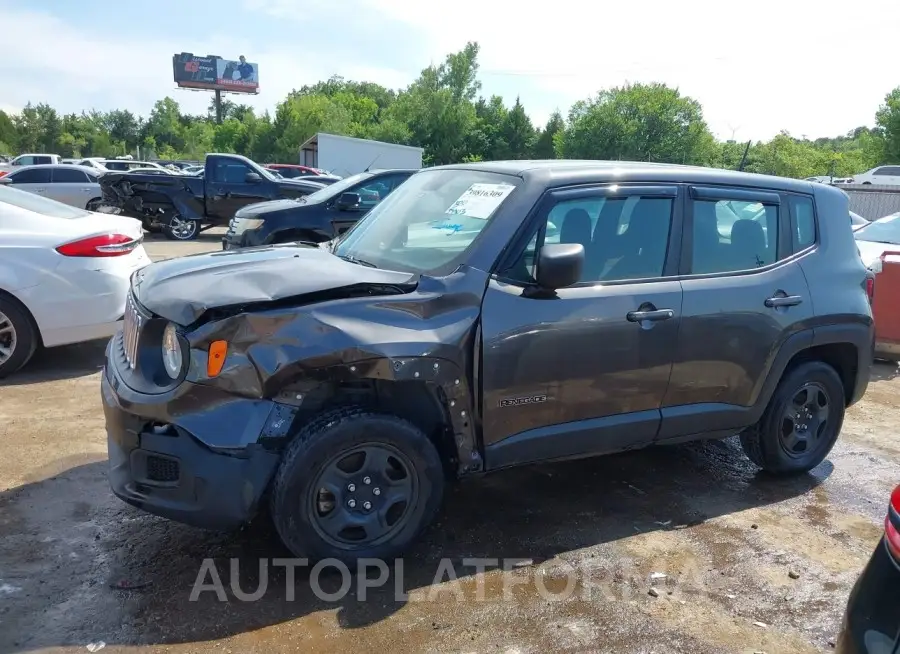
(77, 186)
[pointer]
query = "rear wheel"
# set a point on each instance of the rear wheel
(356, 484)
(801, 423)
(94, 204)
(182, 229)
(18, 339)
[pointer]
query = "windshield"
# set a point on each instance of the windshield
(336, 189)
(431, 220)
(883, 230)
(38, 204)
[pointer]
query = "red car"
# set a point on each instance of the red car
(292, 171)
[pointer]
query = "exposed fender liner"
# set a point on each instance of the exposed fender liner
(443, 379)
(455, 395)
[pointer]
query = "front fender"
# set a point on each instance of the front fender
(427, 335)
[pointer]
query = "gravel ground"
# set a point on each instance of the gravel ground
(752, 564)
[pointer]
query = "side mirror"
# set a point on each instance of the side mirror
(252, 178)
(349, 201)
(5, 180)
(560, 265)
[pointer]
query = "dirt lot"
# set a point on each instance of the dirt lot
(729, 540)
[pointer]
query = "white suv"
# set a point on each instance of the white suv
(884, 175)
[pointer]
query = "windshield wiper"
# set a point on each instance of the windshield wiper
(351, 259)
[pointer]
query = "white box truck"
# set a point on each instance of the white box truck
(345, 156)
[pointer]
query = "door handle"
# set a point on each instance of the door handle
(654, 315)
(783, 301)
(85, 190)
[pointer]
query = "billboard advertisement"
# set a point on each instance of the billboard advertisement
(237, 75)
(211, 72)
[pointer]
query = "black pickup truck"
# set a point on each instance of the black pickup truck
(182, 205)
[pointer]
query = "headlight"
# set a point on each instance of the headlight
(171, 352)
(250, 223)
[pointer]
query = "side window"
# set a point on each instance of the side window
(25, 161)
(804, 227)
(69, 176)
(225, 172)
(894, 171)
(31, 176)
(373, 192)
(623, 238)
(43, 160)
(733, 235)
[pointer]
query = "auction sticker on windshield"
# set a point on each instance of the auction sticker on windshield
(480, 200)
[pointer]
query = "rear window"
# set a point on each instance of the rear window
(37, 204)
(69, 176)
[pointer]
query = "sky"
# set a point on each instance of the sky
(812, 68)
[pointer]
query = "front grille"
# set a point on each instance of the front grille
(131, 331)
(162, 469)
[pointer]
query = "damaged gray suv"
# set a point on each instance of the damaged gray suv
(486, 316)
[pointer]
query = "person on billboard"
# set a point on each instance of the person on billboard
(245, 70)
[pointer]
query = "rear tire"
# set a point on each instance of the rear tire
(353, 467)
(181, 229)
(18, 338)
(802, 422)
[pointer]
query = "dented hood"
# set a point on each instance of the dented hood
(183, 289)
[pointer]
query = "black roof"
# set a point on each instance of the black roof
(560, 172)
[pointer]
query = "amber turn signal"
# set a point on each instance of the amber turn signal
(217, 351)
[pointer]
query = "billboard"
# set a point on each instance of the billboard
(215, 73)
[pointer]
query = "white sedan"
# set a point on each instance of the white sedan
(64, 274)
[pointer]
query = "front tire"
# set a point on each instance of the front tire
(181, 229)
(356, 484)
(802, 422)
(18, 339)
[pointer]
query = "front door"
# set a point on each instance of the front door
(584, 370)
(228, 189)
(744, 294)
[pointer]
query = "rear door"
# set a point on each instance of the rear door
(33, 180)
(744, 295)
(71, 186)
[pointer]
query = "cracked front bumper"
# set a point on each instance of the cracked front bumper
(204, 467)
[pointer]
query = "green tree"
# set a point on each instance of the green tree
(438, 107)
(8, 135)
(164, 126)
(300, 117)
(888, 120)
(544, 140)
(640, 122)
(518, 132)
